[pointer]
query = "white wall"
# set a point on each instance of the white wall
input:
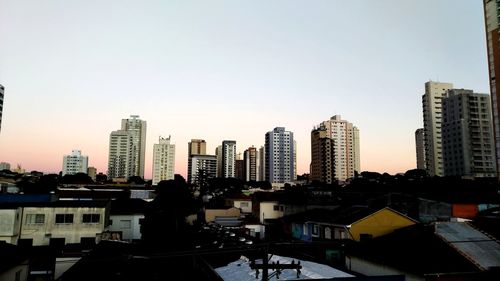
(267, 211)
(71, 232)
(120, 223)
(9, 225)
(244, 209)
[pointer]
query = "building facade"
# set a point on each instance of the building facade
(420, 148)
(345, 137)
(432, 113)
(252, 164)
(228, 159)
(127, 149)
(467, 134)
(322, 156)
(197, 147)
(201, 168)
(280, 160)
(75, 163)
(163, 160)
(491, 15)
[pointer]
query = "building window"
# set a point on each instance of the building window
(91, 218)
(276, 208)
(64, 218)
(315, 229)
(244, 204)
(35, 218)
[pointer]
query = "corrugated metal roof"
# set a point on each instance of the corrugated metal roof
(473, 244)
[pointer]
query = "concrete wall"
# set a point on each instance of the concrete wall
(71, 232)
(370, 268)
(244, 209)
(10, 274)
(267, 211)
(9, 225)
(128, 225)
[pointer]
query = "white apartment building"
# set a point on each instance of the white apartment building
(75, 163)
(205, 163)
(163, 160)
(345, 137)
(228, 159)
(127, 149)
(280, 156)
(432, 112)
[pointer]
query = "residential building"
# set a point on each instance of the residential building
(92, 172)
(262, 164)
(280, 162)
(228, 159)
(44, 223)
(240, 169)
(125, 217)
(197, 147)
(4, 166)
(163, 160)
(127, 149)
(201, 168)
(345, 138)
(432, 113)
(322, 156)
(218, 154)
(252, 164)
(2, 90)
(467, 134)
(491, 15)
(75, 163)
(420, 148)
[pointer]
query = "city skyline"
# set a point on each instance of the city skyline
(228, 70)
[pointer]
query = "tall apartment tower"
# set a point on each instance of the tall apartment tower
(75, 163)
(491, 15)
(279, 156)
(420, 148)
(196, 147)
(322, 156)
(163, 160)
(228, 159)
(468, 145)
(2, 90)
(432, 112)
(346, 142)
(252, 164)
(127, 149)
(262, 164)
(206, 164)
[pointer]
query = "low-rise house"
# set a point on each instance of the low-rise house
(268, 206)
(437, 251)
(59, 222)
(125, 217)
(225, 217)
(355, 223)
(243, 202)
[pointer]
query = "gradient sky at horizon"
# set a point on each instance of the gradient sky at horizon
(228, 70)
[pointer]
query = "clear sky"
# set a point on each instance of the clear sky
(228, 70)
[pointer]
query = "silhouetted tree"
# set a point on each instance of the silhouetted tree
(164, 221)
(136, 180)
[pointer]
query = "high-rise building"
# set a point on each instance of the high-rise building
(197, 147)
(322, 156)
(163, 160)
(492, 15)
(75, 163)
(280, 161)
(420, 148)
(252, 164)
(92, 172)
(127, 149)
(4, 166)
(467, 134)
(262, 164)
(346, 143)
(228, 159)
(2, 89)
(202, 168)
(432, 112)
(218, 154)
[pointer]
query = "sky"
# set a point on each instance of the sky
(228, 70)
